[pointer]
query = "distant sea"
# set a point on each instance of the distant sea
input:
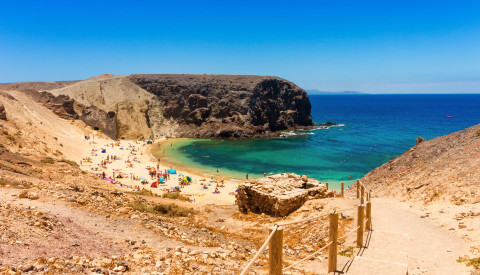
(375, 129)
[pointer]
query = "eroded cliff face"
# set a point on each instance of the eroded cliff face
(212, 106)
(225, 106)
(67, 108)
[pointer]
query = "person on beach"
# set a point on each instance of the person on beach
(246, 176)
(217, 169)
(264, 174)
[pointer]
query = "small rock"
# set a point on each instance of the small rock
(27, 268)
(120, 268)
(23, 194)
(33, 196)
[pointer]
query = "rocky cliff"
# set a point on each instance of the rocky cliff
(141, 106)
(223, 105)
(444, 168)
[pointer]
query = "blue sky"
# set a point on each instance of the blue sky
(369, 46)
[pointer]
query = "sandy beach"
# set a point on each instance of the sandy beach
(133, 159)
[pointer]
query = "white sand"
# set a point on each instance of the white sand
(144, 160)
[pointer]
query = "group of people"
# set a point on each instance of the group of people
(130, 157)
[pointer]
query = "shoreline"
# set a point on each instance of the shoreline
(173, 162)
(170, 161)
(133, 158)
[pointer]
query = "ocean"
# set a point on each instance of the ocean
(374, 129)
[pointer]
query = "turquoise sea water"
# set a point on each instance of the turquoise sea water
(377, 128)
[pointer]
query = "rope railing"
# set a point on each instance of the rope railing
(301, 221)
(349, 233)
(245, 270)
(275, 238)
(308, 257)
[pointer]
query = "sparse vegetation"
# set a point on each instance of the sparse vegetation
(144, 192)
(48, 160)
(4, 183)
(175, 196)
(173, 210)
(71, 162)
(168, 210)
(475, 262)
(477, 133)
(347, 252)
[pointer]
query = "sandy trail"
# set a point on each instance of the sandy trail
(428, 243)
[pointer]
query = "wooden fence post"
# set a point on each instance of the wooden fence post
(369, 216)
(342, 189)
(275, 252)
(360, 221)
(333, 237)
(362, 194)
(358, 189)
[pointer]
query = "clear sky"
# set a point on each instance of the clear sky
(369, 46)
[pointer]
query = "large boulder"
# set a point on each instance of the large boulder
(279, 195)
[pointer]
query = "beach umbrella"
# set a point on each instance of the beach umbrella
(104, 151)
(162, 179)
(189, 179)
(172, 171)
(143, 178)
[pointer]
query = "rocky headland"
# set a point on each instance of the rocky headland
(213, 106)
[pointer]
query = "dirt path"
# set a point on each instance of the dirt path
(431, 249)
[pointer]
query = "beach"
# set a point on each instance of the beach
(127, 163)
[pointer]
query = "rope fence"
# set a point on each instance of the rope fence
(274, 229)
(313, 218)
(275, 238)
(308, 257)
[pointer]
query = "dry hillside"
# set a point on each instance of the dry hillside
(446, 168)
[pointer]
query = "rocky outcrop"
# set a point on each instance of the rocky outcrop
(420, 139)
(61, 105)
(225, 106)
(67, 108)
(279, 195)
(3, 113)
(100, 120)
